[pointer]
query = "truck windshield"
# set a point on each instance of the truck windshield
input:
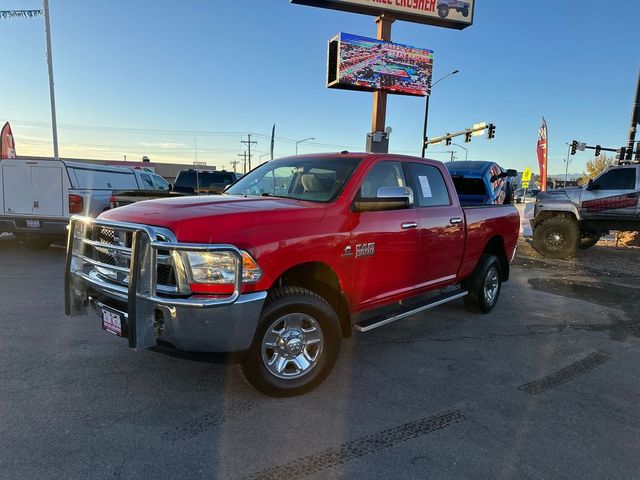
(312, 179)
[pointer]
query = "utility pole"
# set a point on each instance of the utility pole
(234, 165)
(243, 155)
(635, 117)
(249, 143)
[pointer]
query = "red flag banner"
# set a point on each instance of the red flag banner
(7, 145)
(543, 144)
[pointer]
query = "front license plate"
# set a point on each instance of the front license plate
(33, 223)
(112, 322)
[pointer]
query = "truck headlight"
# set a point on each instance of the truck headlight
(211, 269)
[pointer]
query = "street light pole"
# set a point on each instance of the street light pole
(301, 141)
(566, 171)
(54, 124)
(426, 112)
(466, 150)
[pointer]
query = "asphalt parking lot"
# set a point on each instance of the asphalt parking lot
(544, 387)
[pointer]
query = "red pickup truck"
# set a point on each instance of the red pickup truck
(288, 261)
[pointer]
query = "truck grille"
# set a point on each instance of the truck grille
(107, 252)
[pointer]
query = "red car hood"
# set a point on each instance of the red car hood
(218, 219)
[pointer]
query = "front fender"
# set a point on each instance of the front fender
(544, 210)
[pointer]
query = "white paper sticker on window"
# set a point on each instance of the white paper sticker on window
(426, 188)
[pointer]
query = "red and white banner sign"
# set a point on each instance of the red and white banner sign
(543, 147)
(7, 144)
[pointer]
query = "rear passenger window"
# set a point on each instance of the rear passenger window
(430, 188)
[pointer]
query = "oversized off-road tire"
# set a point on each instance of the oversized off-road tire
(296, 344)
(37, 242)
(588, 240)
(556, 237)
(484, 285)
(443, 11)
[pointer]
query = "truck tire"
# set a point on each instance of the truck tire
(36, 242)
(296, 344)
(465, 12)
(588, 240)
(443, 11)
(484, 285)
(556, 237)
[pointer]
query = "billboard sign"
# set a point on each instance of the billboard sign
(368, 64)
(456, 14)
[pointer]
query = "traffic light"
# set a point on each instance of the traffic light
(492, 131)
(621, 154)
(448, 140)
(574, 147)
(629, 155)
(467, 137)
(598, 150)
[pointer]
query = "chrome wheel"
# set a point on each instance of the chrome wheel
(556, 239)
(292, 346)
(491, 285)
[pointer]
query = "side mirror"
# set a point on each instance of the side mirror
(397, 193)
(512, 173)
(171, 187)
(387, 198)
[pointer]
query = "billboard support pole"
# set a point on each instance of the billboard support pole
(378, 140)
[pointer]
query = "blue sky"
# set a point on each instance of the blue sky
(138, 70)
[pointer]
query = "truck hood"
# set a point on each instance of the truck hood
(218, 218)
(565, 194)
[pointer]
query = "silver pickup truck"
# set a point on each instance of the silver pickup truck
(568, 219)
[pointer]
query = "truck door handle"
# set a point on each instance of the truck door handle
(455, 220)
(408, 225)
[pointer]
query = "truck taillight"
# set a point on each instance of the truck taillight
(76, 203)
(113, 201)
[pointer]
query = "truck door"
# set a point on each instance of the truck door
(441, 227)
(383, 243)
(612, 194)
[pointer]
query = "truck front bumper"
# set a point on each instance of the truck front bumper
(190, 323)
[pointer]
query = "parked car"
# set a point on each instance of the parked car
(568, 219)
(482, 183)
(37, 196)
(445, 5)
(291, 259)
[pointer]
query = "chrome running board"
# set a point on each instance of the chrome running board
(380, 320)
